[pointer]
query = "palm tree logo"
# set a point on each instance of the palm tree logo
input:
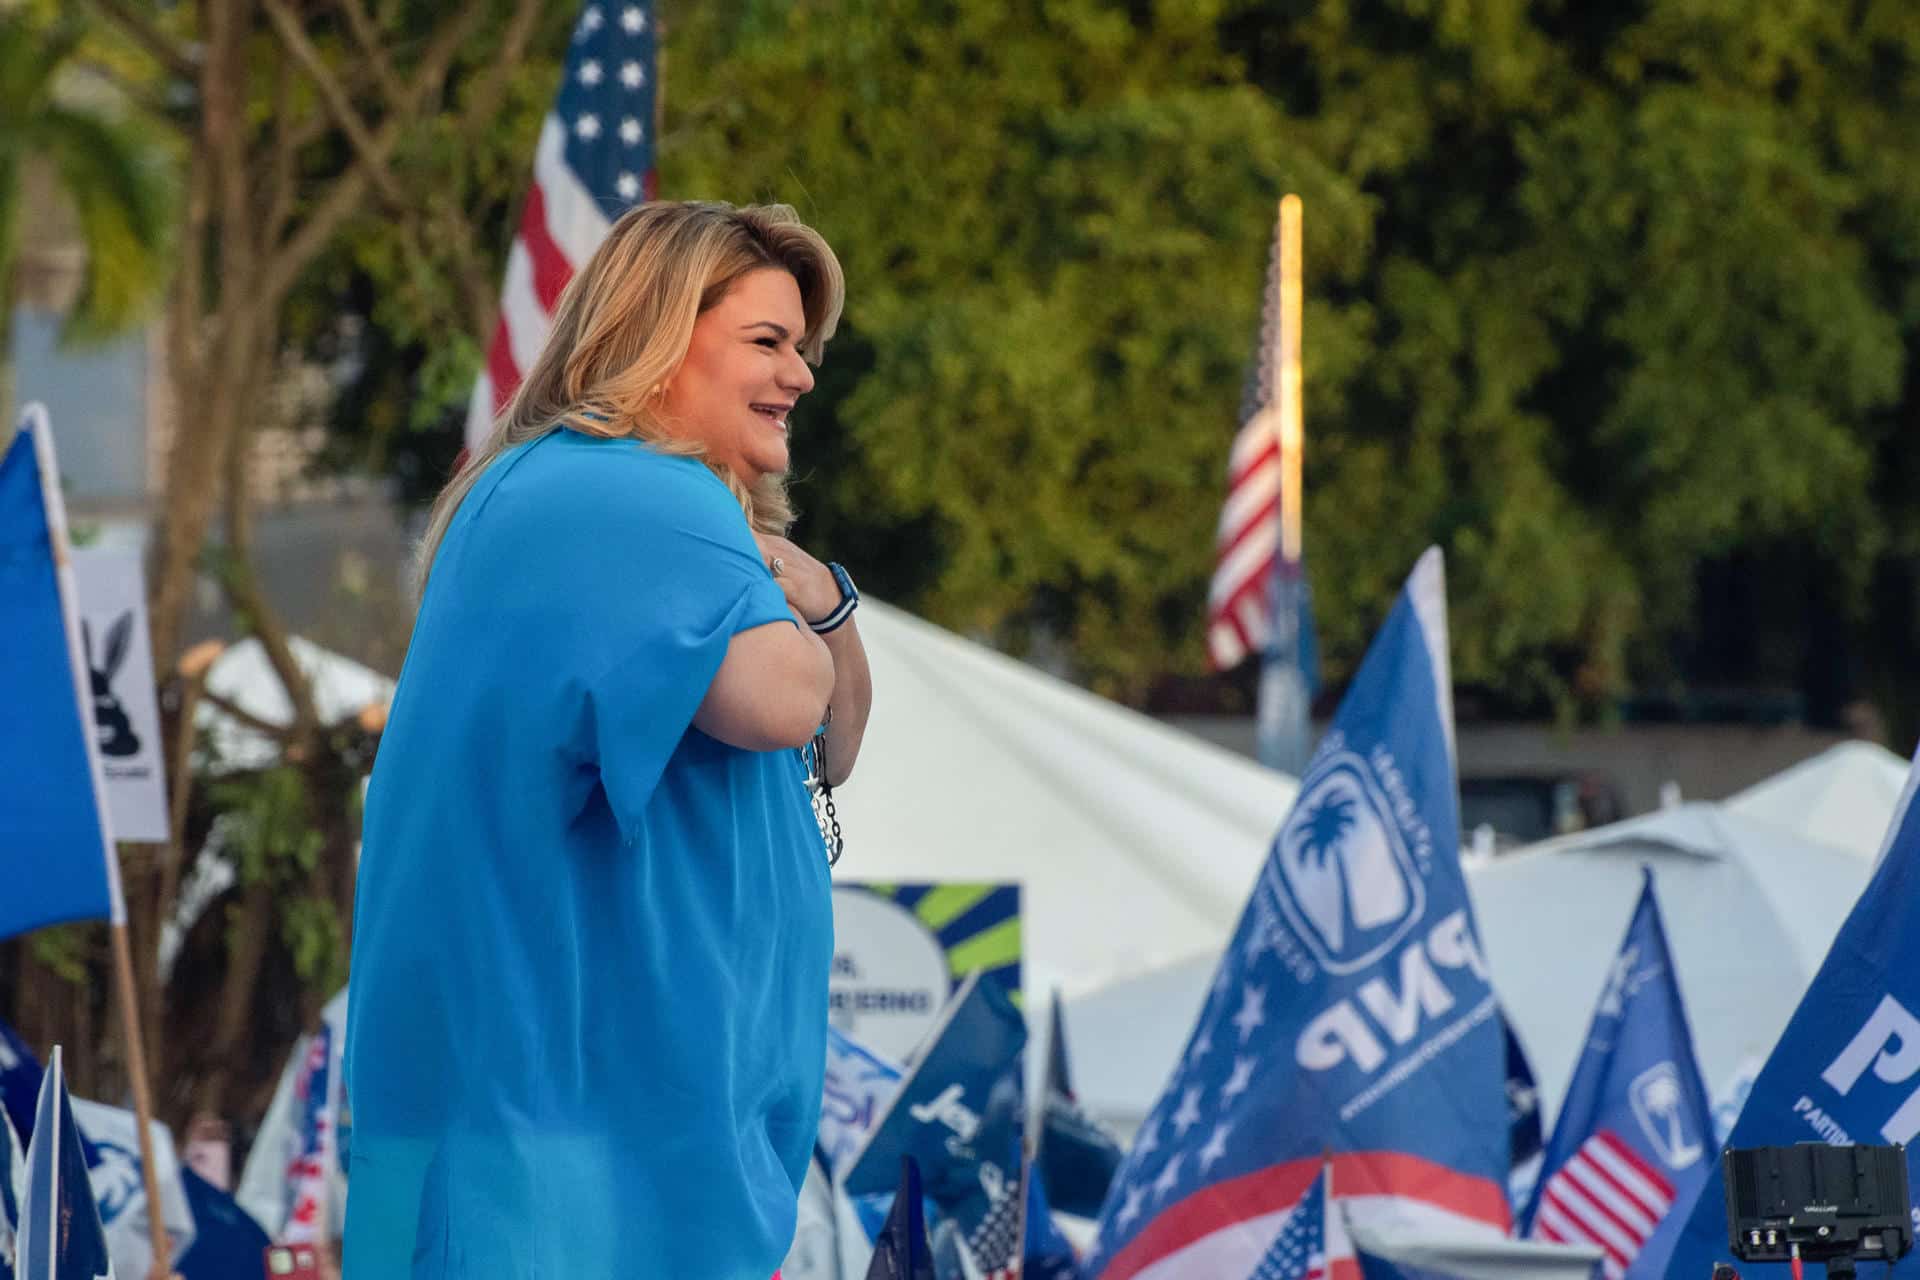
(1329, 819)
(1661, 1106)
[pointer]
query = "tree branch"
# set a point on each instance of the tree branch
(278, 732)
(170, 54)
(367, 33)
(344, 197)
(334, 97)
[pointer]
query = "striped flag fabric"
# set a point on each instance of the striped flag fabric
(1606, 1195)
(1635, 1132)
(1240, 600)
(594, 160)
(1299, 1252)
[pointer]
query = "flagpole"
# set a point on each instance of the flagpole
(56, 509)
(1283, 702)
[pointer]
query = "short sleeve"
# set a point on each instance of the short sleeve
(698, 582)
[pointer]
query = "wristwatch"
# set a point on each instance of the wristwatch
(849, 601)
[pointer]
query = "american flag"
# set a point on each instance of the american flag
(1240, 601)
(593, 161)
(1606, 1196)
(1299, 1252)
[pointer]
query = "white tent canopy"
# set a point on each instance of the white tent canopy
(1750, 910)
(1136, 844)
(1844, 797)
(244, 677)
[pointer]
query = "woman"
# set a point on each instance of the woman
(586, 1034)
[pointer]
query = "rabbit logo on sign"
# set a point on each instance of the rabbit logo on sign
(110, 719)
(1340, 870)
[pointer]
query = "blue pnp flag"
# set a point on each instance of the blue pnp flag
(901, 1252)
(1635, 1135)
(1077, 1156)
(1847, 1068)
(60, 1233)
(959, 1112)
(1352, 1012)
(13, 1173)
(56, 857)
(227, 1242)
(1048, 1253)
(19, 1081)
(1526, 1143)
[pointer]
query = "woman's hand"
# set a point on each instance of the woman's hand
(808, 584)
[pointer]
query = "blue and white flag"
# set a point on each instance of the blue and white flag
(859, 1085)
(1299, 1252)
(56, 851)
(1847, 1068)
(1077, 1155)
(227, 1242)
(1527, 1145)
(19, 1081)
(1352, 1012)
(1635, 1134)
(1049, 1254)
(960, 1113)
(60, 1233)
(13, 1181)
(110, 1146)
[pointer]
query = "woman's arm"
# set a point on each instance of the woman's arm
(771, 690)
(811, 590)
(852, 700)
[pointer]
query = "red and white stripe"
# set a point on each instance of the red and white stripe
(1239, 602)
(1226, 1229)
(560, 227)
(1605, 1196)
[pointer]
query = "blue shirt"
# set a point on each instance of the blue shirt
(587, 1026)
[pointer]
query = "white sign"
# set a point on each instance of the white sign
(126, 715)
(890, 977)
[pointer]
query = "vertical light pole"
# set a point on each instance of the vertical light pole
(1284, 708)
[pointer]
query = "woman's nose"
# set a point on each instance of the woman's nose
(797, 376)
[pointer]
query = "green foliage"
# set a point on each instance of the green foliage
(1596, 296)
(111, 169)
(272, 838)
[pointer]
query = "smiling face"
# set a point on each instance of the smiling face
(742, 376)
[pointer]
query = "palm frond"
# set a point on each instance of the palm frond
(117, 180)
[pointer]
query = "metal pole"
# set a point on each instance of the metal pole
(1282, 729)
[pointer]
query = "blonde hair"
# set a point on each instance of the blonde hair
(624, 324)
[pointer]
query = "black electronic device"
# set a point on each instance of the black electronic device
(1818, 1203)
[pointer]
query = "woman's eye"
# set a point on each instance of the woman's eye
(769, 343)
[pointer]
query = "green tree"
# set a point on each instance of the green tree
(1597, 297)
(105, 168)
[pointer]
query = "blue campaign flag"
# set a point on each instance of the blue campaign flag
(1635, 1134)
(56, 856)
(60, 1233)
(1847, 1068)
(959, 1112)
(1352, 1012)
(227, 1242)
(901, 1251)
(1048, 1254)
(1299, 1252)
(1077, 1156)
(858, 1084)
(13, 1173)
(19, 1081)
(1526, 1143)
